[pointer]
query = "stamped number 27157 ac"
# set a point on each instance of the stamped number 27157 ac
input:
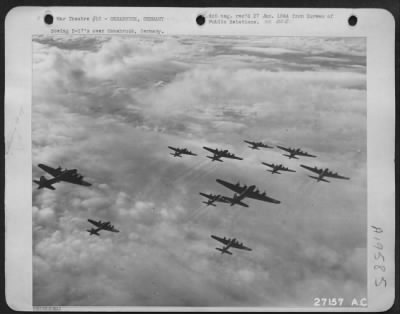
(328, 301)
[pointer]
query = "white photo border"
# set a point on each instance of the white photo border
(376, 25)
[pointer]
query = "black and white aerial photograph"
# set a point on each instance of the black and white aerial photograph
(199, 171)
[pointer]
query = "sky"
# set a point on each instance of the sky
(110, 106)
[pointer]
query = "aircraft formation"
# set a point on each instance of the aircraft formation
(241, 192)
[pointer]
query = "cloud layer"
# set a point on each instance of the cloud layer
(110, 106)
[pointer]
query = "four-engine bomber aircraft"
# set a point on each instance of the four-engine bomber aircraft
(277, 168)
(244, 191)
(106, 225)
(324, 173)
(66, 175)
(212, 198)
(179, 151)
(229, 243)
(256, 145)
(295, 151)
(219, 153)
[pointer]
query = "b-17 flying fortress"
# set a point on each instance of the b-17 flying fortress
(277, 168)
(179, 151)
(295, 151)
(243, 191)
(106, 225)
(324, 173)
(219, 153)
(66, 175)
(257, 145)
(229, 243)
(240, 191)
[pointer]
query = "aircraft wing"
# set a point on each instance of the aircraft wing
(173, 148)
(96, 223)
(240, 246)
(232, 156)
(110, 228)
(269, 165)
(234, 187)
(284, 148)
(226, 199)
(265, 145)
(287, 169)
(335, 175)
(262, 197)
(248, 142)
(191, 153)
(300, 153)
(209, 196)
(75, 180)
(315, 169)
(222, 240)
(214, 151)
(54, 172)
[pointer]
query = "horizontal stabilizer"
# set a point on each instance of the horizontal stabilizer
(319, 179)
(273, 171)
(223, 251)
(44, 184)
(92, 232)
(214, 159)
(290, 156)
(208, 204)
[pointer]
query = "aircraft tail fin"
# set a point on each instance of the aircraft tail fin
(223, 251)
(319, 179)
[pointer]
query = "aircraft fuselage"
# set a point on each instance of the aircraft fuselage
(275, 170)
(225, 249)
(239, 197)
(321, 176)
